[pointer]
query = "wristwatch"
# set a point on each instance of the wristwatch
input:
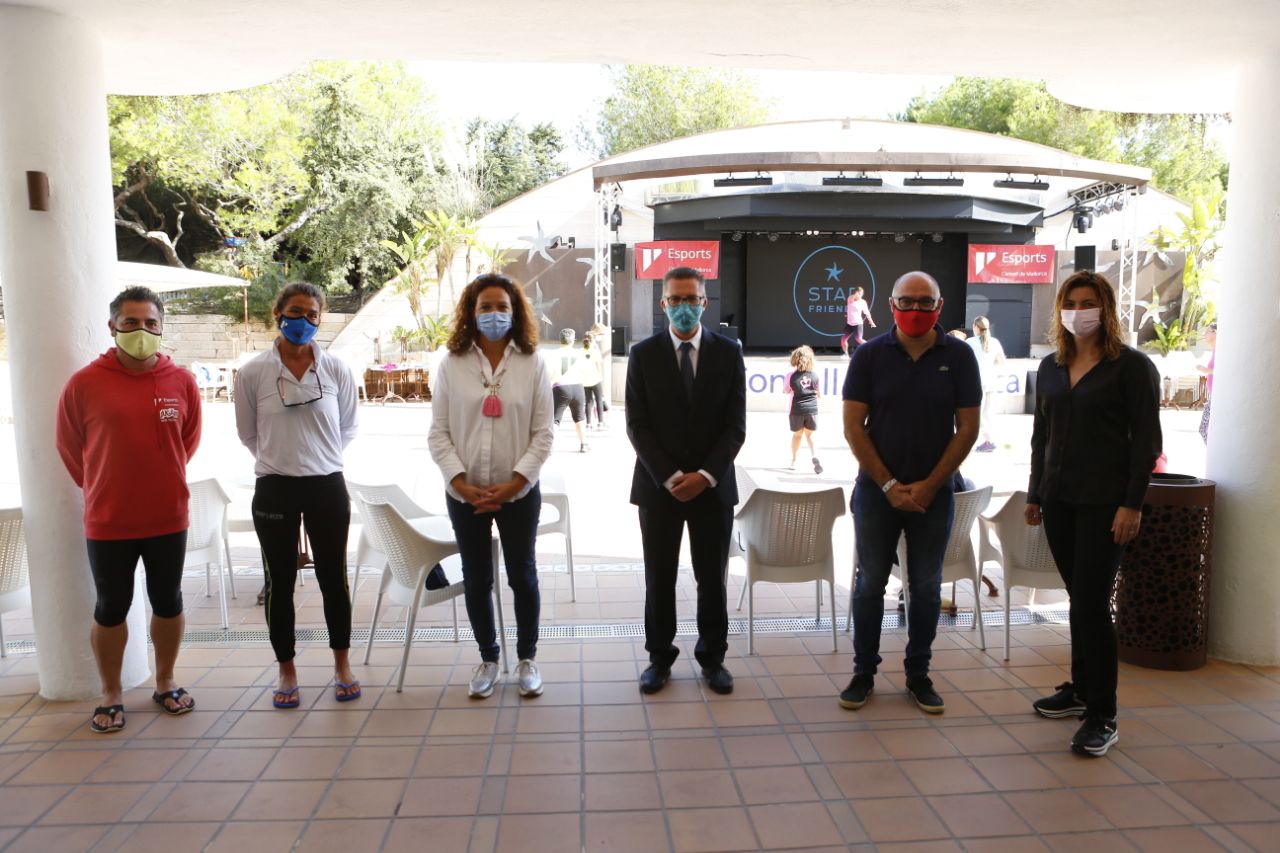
(889, 484)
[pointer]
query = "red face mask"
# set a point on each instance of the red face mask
(916, 324)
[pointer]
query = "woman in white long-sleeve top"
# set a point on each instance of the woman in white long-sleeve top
(491, 432)
(296, 412)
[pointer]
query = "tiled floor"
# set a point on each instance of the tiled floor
(594, 765)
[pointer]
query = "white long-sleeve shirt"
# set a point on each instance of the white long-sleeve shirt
(301, 440)
(491, 450)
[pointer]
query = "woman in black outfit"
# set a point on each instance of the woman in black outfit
(1095, 440)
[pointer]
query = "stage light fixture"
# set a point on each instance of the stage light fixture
(737, 235)
(1118, 202)
(919, 181)
(859, 180)
(615, 218)
(773, 237)
(899, 238)
(1083, 221)
(937, 237)
(1009, 183)
(758, 181)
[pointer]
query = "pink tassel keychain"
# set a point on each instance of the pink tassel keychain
(492, 406)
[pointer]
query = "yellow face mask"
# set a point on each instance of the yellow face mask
(140, 343)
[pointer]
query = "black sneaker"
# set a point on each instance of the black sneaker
(817, 466)
(1064, 703)
(921, 689)
(1095, 736)
(855, 695)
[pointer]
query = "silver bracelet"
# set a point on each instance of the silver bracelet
(889, 484)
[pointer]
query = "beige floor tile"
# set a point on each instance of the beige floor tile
(65, 767)
(342, 836)
(1261, 836)
(159, 837)
(915, 743)
(542, 758)
(1238, 760)
(678, 715)
(1131, 806)
(613, 718)
(378, 762)
(445, 797)
(759, 750)
(257, 836)
(981, 740)
(445, 760)
(231, 765)
(710, 830)
(405, 723)
(1081, 771)
(871, 779)
(264, 724)
(1055, 811)
(542, 794)
(695, 753)
(447, 834)
(283, 800)
(1226, 800)
(771, 785)
(977, 815)
(623, 756)
(847, 746)
(1018, 844)
(63, 839)
(1089, 842)
(626, 832)
(545, 833)
(533, 720)
(1172, 763)
(361, 798)
(331, 724)
(200, 801)
(1015, 772)
(691, 789)
(898, 819)
(793, 825)
(944, 776)
(1181, 839)
(465, 721)
(608, 792)
(305, 762)
(96, 804)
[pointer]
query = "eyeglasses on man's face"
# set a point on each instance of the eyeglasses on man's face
(908, 303)
(683, 300)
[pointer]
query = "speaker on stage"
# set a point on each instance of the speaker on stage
(618, 256)
(1086, 258)
(620, 335)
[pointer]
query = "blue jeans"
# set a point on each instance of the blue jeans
(877, 527)
(518, 531)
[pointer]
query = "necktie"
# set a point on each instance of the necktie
(686, 368)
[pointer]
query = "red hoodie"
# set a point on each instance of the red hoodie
(125, 438)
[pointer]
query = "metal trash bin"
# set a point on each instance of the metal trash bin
(1161, 595)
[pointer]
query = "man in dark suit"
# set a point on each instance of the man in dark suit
(687, 419)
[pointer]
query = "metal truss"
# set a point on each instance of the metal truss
(606, 197)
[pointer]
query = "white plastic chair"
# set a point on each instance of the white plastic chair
(366, 553)
(555, 494)
(207, 537)
(737, 544)
(1021, 550)
(787, 539)
(15, 585)
(210, 379)
(410, 553)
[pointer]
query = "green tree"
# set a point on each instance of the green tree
(511, 161)
(1182, 159)
(655, 103)
(1200, 240)
(413, 252)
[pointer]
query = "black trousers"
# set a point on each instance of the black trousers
(1088, 558)
(321, 504)
(113, 562)
(662, 526)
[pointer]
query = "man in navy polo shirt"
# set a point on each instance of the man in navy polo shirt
(911, 403)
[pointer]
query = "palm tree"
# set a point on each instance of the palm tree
(445, 234)
(413, 251)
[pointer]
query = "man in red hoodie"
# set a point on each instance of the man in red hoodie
(127, 425)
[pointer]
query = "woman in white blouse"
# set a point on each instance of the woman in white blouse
(491, 432)
(296, 412)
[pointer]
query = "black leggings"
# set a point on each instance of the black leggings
(113, 562)
(1088, 558)
(280, 505)
(595, 393)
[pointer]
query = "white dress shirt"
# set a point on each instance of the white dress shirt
(299, 440)
(491, 450)
(696, 340)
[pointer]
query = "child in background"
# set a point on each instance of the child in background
(802, 385)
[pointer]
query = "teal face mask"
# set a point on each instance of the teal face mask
(684, 318)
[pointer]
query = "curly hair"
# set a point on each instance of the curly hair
(524, 328)
(802, 358)
(1064, 342)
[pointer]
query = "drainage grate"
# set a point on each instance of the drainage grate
(624, 630)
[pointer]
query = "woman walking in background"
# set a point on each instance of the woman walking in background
(296, 412)
(990, 355)
(593, 380)
(855, 313)
(1095, 438)
(490, 434)
(802, 385)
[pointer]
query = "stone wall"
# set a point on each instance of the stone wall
(213, 337)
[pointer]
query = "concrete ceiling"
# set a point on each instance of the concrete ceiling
(1140, 55)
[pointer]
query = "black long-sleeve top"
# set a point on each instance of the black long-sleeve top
(1096, 443)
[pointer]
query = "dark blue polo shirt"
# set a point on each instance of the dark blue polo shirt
(912, 404)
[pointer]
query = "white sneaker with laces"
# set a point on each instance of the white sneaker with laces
(483, 679)
(528, 677)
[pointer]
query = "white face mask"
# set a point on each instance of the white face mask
(1082, 323)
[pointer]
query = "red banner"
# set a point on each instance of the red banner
(1005, 264)
(654, 260)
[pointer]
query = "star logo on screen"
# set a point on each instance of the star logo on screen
(833, 272)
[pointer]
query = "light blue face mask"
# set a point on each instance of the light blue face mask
(684, 318)
(494, 325)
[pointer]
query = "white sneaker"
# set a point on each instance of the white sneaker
(529, 678)
(483, 679)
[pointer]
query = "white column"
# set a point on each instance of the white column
(1244, 441)
(57, 269)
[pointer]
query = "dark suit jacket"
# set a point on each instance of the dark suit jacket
(670, 434)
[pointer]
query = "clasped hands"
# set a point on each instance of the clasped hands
(911, 497)
(488, 498)
(686, 487)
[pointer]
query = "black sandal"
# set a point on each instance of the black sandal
(107, 711)
(176, 697)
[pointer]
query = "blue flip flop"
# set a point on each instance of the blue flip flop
(353, 691)
(288, 703)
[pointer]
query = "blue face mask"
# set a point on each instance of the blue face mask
(494, 325)
(684, 318)
(298, 330)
